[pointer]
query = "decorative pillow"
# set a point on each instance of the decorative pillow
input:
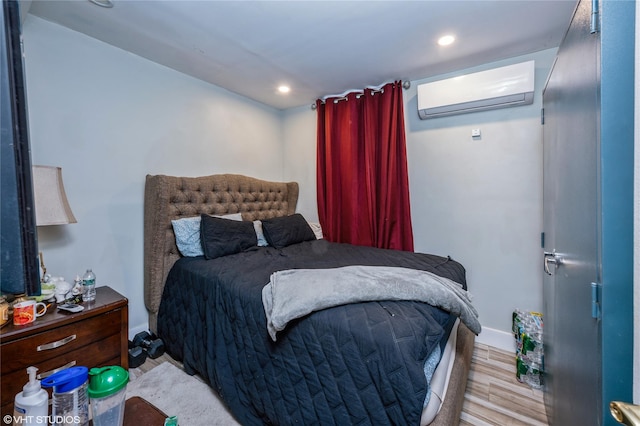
(221, 237)
(187, 231)
(262, 241)
(286, 230)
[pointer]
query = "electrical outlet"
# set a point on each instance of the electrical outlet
(475, 133)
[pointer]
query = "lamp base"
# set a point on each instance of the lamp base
(43, 269)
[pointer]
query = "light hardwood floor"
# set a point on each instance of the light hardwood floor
(493, 397)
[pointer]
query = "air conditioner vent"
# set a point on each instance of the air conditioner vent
(503, 87)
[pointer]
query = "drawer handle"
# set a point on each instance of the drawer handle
(56, 344)
(55, 370)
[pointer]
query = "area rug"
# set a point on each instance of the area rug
(177, 394)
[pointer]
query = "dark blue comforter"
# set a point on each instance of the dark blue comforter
(356, 364)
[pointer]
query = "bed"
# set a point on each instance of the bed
(358, 363)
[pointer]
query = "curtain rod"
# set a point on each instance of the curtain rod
(343, 96)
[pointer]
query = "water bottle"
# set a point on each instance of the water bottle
(533, 376)
(89, 286)
(517, 328)
(528, 330)
(70, 399)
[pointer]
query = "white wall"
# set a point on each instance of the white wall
(300, 157)
(479, 201)
(108, 118)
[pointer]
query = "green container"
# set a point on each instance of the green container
(107, 391)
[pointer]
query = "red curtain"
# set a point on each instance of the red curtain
(362, 180)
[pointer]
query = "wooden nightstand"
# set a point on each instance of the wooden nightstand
(94, 337)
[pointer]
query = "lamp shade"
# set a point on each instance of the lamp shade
(52, 207)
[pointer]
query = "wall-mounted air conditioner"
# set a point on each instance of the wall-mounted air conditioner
(496, 88)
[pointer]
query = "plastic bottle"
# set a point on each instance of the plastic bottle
(32, 404)
(516, 328)
(533, 377)
(528, 330)
(89, 286)
(70, 399)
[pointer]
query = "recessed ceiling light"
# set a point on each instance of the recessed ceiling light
(284, 89)
(446, 40)
(102, 3)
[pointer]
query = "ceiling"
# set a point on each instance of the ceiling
(318, 48)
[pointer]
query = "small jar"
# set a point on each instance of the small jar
(4, 310)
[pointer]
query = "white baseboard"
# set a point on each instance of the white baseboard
(498, 339)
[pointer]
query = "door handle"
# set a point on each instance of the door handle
(551, 257)
(627, 414)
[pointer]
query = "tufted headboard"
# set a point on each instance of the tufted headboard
(170, 197)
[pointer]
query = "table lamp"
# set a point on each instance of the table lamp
(52, 206)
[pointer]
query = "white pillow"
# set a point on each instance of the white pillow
(262, 241)
(317, 229)
(187, 231)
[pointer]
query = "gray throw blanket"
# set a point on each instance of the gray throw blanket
(295, 293)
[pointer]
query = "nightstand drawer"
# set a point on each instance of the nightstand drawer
(100, 353)
(35, 349)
